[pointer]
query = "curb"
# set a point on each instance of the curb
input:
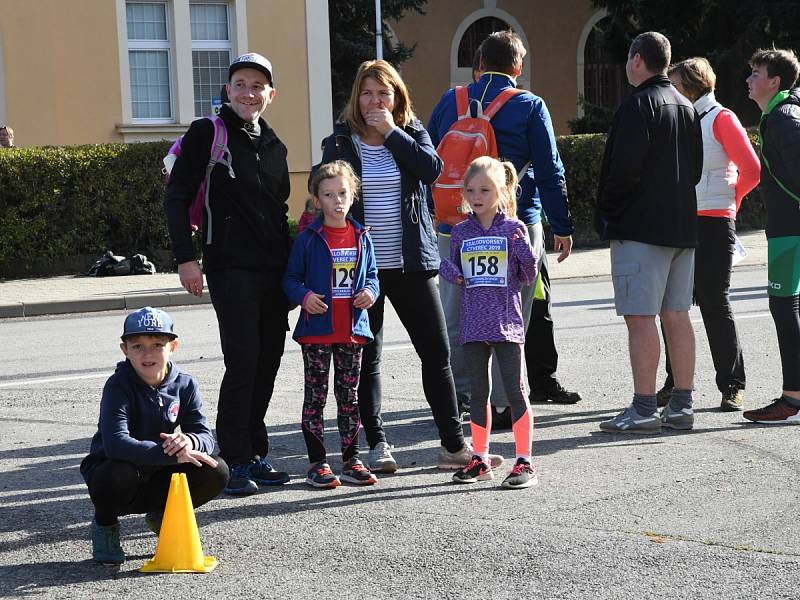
(126, 302)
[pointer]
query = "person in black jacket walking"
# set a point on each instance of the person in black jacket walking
(245, 250)
(647, 207)
(771, 86)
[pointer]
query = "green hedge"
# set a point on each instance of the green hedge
(582, 156)
(57, 204)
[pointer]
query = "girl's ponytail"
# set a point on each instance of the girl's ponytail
(508, 194)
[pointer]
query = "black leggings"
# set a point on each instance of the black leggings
(786, 314)
(416, 300)
(121, 488)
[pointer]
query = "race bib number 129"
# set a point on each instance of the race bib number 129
(344, 268)
(484, 261)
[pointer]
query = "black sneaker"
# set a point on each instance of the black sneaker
(241, 482)
(475, 471)
(523, 475)
(263, 473)
(556, 394)
(664, 395)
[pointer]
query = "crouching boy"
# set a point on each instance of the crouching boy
(138, 446)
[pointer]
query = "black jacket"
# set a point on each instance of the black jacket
(652, 162)
(419, 166)
(780, 145)
(250, 227)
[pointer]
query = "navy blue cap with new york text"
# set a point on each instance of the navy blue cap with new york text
(148, 321)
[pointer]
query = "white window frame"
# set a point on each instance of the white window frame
(181, 80)
(212, 45)
(161, 45)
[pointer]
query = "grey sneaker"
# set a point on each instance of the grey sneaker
(381, 460)
(677, 419)
(461, 458)
(630, 421)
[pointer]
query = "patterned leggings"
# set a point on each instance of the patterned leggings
(346, 369)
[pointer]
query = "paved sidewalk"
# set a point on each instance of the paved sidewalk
(70, 294)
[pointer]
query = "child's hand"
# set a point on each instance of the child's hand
(314, 305)
(460, 280)
(363, 299)
(519, 233)
(197, 458)
(175, 442)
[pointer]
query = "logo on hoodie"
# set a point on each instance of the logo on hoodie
(172, 411)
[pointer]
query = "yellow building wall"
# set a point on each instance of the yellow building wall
(552, 30)
(277, 29)
(61, 71)
(62, 75)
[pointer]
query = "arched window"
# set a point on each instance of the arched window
(475, 28)
(474, 36)
(604, 81)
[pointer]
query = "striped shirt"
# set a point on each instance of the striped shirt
(380, 192)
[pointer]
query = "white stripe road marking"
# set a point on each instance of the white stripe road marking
(39, 381)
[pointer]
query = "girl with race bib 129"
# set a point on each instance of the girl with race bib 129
(332, 275)
(491, 258)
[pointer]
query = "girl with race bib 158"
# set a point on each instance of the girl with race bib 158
(491, 258)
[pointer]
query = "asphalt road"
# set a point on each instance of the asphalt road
(706, 514)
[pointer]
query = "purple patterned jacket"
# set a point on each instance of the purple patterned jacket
(491, 313)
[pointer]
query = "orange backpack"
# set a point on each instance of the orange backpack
(467, 139)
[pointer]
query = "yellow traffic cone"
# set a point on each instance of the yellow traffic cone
(179, 549)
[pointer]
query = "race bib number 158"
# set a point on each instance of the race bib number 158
(484, 261)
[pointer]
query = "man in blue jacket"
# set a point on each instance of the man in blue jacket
(524, 134)
(151, 426)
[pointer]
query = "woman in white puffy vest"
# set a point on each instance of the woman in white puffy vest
(730, 171)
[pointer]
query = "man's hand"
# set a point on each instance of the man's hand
(363, 299)
(175, 442)
(314, 305)
(562, 244)
(191, 277)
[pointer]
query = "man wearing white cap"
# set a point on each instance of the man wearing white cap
(245, 248)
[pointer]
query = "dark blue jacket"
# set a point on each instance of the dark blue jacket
(309, 270)
(133, 414)
(419, 167)
(524, 132)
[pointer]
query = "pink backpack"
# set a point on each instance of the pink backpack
(219, 154)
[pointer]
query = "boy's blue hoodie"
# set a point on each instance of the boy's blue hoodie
(309, 270)
(133, 414)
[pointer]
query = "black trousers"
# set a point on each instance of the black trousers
(786, 314)
(712, 280)
(252, 313)
(541, 356)
(415, 298)
(121, 488)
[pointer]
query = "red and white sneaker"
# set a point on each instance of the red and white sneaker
(779, 411)
(354, 471)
